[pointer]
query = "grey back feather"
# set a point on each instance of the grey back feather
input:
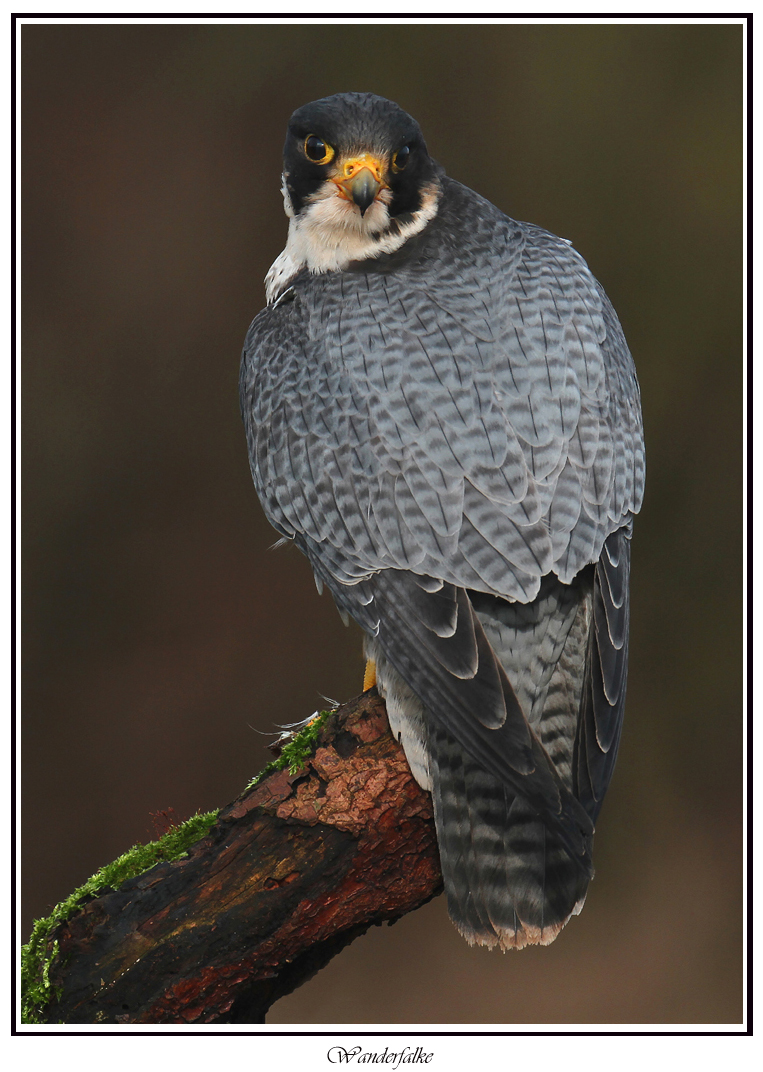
(472, 417)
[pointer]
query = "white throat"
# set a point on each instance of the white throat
(329, 233)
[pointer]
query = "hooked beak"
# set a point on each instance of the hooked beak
(361, 181)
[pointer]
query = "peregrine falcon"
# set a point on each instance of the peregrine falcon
(442, 413)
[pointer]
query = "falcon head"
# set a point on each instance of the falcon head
(357, 181)
(360, 151)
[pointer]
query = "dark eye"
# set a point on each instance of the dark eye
(317, 150)
(400, 159)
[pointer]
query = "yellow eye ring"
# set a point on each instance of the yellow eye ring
(317, 150)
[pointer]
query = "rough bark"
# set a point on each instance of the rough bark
(290, 873)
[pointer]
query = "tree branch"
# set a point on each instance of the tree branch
(290, 873)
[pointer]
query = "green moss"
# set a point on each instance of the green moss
(296, 753)
(37, 958)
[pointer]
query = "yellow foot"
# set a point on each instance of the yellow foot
(369, 678)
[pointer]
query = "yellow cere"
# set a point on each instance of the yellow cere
(365, 160)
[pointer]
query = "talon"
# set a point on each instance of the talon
(369, 678)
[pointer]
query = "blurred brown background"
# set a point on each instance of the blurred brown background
(160, 632)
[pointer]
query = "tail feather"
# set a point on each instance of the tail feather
(457, 856)
(508, 882)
